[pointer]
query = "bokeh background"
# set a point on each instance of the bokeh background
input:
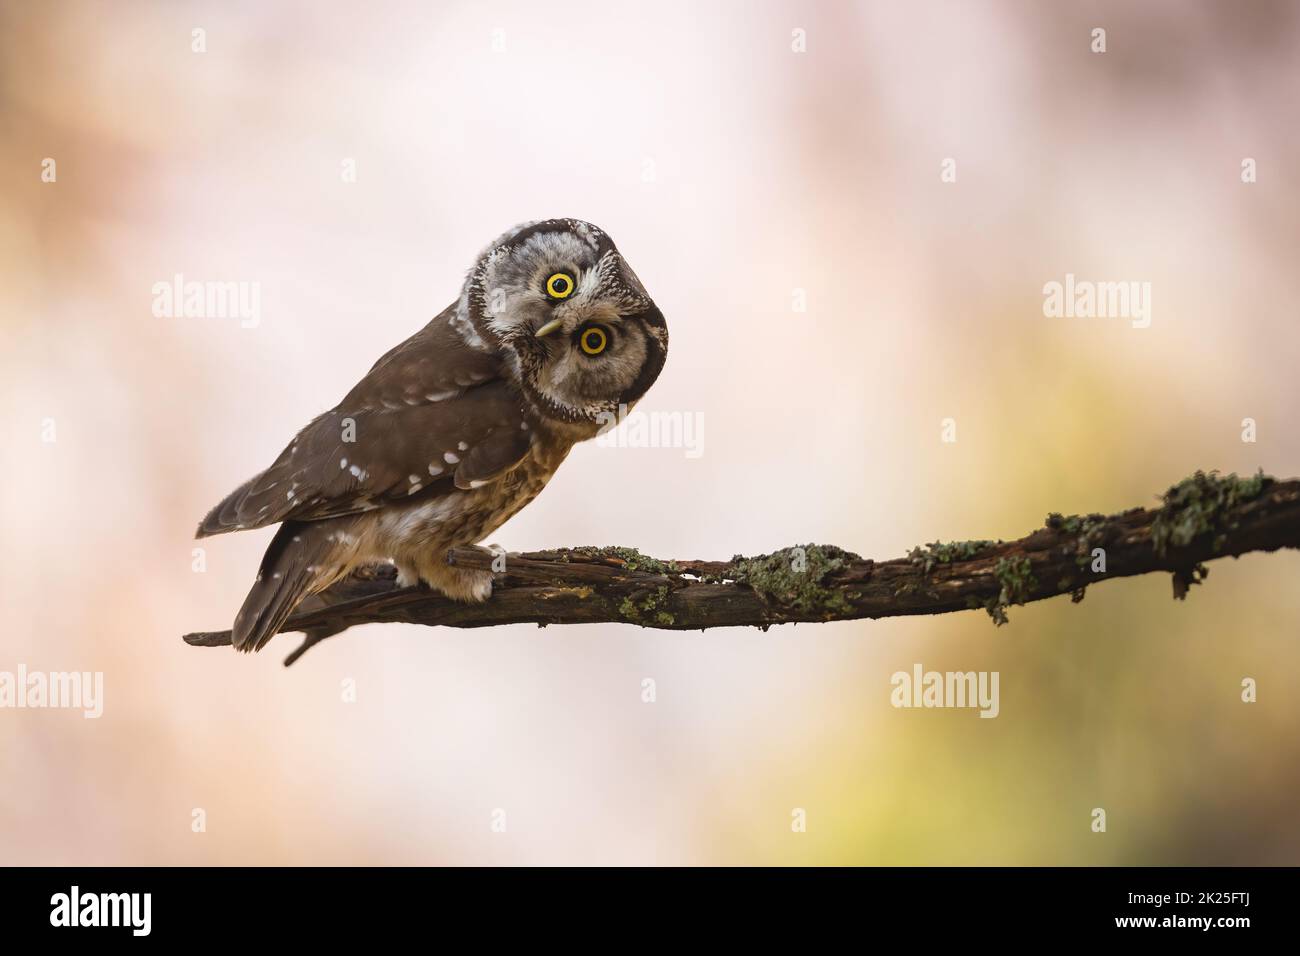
(732, 171)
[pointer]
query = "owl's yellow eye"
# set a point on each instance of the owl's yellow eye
(559, 286)
(593, 340)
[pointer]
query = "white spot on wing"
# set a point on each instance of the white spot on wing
(452, 457)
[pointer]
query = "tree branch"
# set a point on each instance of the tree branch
(1202, 518)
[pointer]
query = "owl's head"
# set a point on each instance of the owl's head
(576, 327)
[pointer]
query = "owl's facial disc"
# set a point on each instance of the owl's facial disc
(579, 331)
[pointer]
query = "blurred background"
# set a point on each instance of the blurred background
(741, 177)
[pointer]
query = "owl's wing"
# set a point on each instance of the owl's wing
(431, 415)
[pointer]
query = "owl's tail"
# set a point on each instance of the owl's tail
(300, 560)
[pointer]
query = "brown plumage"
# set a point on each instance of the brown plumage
(457, 428)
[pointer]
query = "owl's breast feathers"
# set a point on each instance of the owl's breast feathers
(433, 416)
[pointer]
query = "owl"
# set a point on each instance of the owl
(455, 429)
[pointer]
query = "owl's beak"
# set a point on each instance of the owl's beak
(548, 328)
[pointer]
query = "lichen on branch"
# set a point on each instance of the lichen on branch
(1202, 518)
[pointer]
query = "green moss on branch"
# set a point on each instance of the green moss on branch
(1201, 505)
